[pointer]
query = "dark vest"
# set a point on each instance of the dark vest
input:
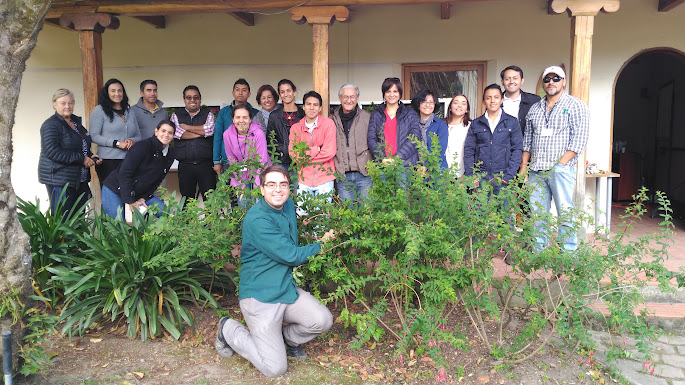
(193, 150)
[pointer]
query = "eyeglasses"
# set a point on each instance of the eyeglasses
(348, 97)
(428, 103)
(274, 185)
(556, 79)
(192, 97)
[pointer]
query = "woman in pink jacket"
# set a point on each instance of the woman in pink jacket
(243, 140)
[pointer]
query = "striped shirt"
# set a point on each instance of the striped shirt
(208, 126)
(549, 134)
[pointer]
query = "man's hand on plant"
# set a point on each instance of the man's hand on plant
(328, 235)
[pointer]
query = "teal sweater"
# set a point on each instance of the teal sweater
(269, 252)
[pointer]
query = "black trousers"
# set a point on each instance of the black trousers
(194, 175)
(106, 167)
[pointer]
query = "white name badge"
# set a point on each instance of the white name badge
(546, 132)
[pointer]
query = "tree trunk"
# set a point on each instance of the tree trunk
(21, 20)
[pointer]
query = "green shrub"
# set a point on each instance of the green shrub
(50, 243)
(37, 324)
(423, 245)
(112, 277)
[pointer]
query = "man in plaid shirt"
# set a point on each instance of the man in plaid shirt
(557, 130)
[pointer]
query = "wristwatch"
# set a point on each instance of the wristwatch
(116, 143)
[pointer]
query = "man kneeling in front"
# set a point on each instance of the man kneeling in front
(268, 295)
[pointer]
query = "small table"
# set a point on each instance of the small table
(603, 179)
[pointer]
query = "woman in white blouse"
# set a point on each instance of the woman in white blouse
(458, 121)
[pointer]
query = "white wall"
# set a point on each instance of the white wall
(213, 50)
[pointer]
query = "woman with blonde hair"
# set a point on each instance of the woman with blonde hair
(65, 156)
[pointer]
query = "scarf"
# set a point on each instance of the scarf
(346, 119)
(424, 128)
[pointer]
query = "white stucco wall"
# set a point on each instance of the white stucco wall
(213, 50)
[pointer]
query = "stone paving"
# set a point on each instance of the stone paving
(667, 368)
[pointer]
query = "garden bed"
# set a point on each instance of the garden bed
(107, 356)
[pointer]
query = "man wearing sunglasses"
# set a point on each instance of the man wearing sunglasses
(193, 143)
(268, 295)
(557, 130)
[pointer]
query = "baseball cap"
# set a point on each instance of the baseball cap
(554, 70)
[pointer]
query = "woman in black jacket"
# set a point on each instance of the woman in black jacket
(393, 126)
(143, 169)
(281, 119)
(65, 156)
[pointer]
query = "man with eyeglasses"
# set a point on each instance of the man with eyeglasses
(268, 295)
(557, 130)
(193, 143)
(352, 154)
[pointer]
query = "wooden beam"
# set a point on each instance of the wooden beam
(90, 28)
(89, 22)
(320, 67)
(320, 19)
(319, 15)
(667, 5)
(159, 22)
(445, 11)
(54, 22)
(582, 7)
(169, 7)
(244, 17)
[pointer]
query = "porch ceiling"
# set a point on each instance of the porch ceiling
(166, 7)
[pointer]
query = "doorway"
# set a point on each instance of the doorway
(649, 126)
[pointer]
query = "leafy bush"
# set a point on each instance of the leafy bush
(37, 323)
(49, 243)
(113, 277)
(423, 246)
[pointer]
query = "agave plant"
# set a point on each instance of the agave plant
(113, 278)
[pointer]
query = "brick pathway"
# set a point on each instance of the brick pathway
(668, 366)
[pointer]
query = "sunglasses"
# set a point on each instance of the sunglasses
(556, 79)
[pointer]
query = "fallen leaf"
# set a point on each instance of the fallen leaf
(95, 340)
(104, 365)
(483, 379)
(411, 354)
(139, 374)
(500, 382)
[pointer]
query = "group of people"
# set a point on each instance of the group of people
(520, 133)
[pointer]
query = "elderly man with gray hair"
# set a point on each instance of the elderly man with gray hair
(351, 123)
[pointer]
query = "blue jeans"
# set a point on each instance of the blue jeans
(114, 207)
(354, 186)
(70, 197)
(558, 183)
(318, 190)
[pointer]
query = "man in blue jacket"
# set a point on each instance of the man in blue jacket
(241, 92)
(268, 295)
(494, 143)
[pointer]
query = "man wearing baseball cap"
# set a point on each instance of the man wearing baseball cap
(557, 130)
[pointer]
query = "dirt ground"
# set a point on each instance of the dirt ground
(108, 357)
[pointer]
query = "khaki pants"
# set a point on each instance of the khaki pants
(263, 344)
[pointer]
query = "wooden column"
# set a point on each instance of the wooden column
(582, 22)
(320, 18)
(90, 28)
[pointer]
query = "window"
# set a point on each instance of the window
(447, 80)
